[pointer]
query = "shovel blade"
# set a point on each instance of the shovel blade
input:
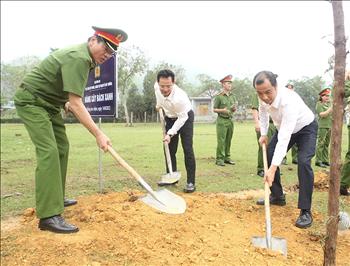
(165, 201)
(169, 179)
(277, 244)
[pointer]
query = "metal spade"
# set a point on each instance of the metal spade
(162, 200)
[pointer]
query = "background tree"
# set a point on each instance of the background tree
(136, 103)
(12, 74)
(131, 63)
(208, 86)
(308, 89)
(244, 91)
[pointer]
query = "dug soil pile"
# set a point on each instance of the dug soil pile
(216, 229)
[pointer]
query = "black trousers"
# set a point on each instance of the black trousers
(186, 133)
(305, 140)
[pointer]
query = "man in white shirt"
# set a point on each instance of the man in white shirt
(179, 119)
(295, 124)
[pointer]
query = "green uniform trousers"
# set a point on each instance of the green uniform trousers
(345, 174)
(270, 132)
(322, 149)
(46, 129)
(224, 133)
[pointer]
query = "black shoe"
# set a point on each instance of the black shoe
(220, 163)
(294, 162)
(304, 220)
(261, 173)
(57, 224)
(280, 201)
(69, 202)
(344, 191)
(229, 162)
(189, 188)
(321, 165)
(326, 163)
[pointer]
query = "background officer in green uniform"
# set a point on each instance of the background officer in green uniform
(225, 104)
(324, 114)
(271, 131)
(345, 174)
(290, 85)
(58, 82)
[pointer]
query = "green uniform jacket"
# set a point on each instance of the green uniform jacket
(323, 122)
(63, 71)
(225, 101)
(347, 88)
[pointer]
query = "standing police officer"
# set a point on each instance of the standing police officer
(324, 114)
(59, 78)
(225, 104)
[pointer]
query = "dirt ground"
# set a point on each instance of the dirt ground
(216, 229)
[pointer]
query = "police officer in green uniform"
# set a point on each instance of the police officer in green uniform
(225, 104)
(271, 131)
(58, 82)
(345, 174)
(324, 114)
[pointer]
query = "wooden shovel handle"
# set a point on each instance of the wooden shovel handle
(124, 164)
(267, 200)
(166, 145)
(161, 116)
(132, 172)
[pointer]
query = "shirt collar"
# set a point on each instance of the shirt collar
(171, 95)
(276, 103)
(227, 93)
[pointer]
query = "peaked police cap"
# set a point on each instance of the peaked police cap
(112, 36)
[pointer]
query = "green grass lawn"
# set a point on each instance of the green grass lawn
(141, 147)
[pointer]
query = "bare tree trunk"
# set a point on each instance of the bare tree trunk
(334, 183)
(123, 98)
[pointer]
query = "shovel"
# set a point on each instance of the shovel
(274, 243)
(162, 200)
(171, 177)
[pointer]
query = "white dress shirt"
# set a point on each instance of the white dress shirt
(289, 114)
(176, 105)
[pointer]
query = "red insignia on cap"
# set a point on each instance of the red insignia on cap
(110, 37)
(227, 78)
(325, 92)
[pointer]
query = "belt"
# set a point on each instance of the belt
(174, 118)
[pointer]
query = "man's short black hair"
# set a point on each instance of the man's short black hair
(166, 73)
(262, 75)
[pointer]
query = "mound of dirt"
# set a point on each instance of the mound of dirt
(321, 180)
(216, 229)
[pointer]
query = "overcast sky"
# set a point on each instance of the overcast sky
(210, 37)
